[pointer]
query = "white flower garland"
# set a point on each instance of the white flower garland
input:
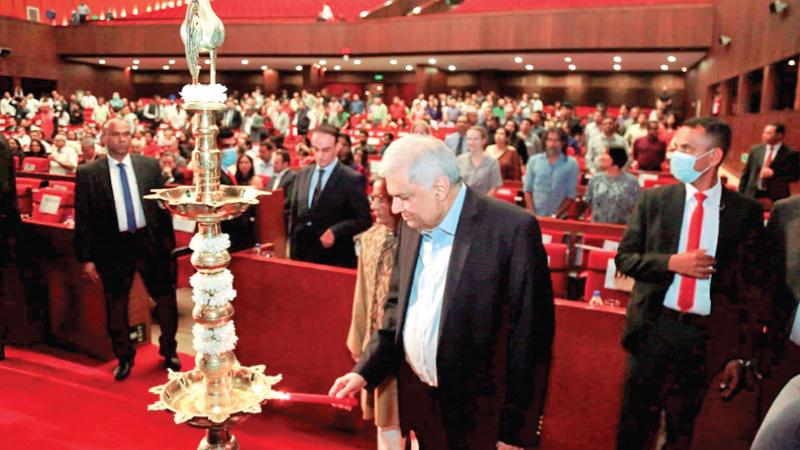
(204, 93)
(216, 244)
(213, 290)
(214, 341)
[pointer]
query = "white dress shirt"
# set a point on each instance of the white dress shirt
(276, 181)
(770, 152)
(119, 199)
(708, 242)
(66, 155)
(424, 314)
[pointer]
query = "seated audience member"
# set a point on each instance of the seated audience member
(36, 149)
(506, 156)
(457, 140)
(174, 150)
(88, 150)
(612, 193)
(169, 170)
(771, 166)
(283, 179)
(386, 139)
(608, 138)
(15, 149)
(245, 175)
(361, 143)
(262, 158)
(343, 152)
(649, 151)
(479, 171)
(376, 248)
(150, 147)
(551, 178)
(63, 159)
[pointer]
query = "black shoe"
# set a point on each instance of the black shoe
(172, 362)
(2, 352)
(123, 369)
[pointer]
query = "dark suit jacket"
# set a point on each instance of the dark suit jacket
(496, 326)
(97, 233)
(653, 236)
(236, 120)
(786, 165)
(342, 206)
(9, 208)
(783, 230)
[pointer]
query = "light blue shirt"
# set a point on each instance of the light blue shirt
(326, 175)
(549, 183)
(421, 330)
(708, 242)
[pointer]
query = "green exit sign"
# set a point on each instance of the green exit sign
(378, 77)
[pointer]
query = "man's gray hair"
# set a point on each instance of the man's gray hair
(424, 157)
(88, 142)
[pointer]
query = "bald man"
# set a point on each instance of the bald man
(118, 233)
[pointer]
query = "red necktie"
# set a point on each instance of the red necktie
(686, 291)
(768, 159)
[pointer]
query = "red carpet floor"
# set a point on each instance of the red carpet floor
(59, 401)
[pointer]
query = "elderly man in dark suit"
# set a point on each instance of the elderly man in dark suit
(771, 166)
(329, 206)
(468, 323)
(783, 231)
(693, 249)
(117, 233)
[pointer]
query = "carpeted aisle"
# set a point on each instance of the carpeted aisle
(60, 401)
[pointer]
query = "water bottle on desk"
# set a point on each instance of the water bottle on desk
(257, 249)
(596, 300)
(69, 222)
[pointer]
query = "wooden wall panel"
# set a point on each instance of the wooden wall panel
(33, 49)
(651, 27)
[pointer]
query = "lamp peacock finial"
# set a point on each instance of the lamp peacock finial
(201, 31)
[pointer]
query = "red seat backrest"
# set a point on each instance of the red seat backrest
(557, 260)
(36, 164)
(506, 194)
(62, 185)
(66, 205)
(596, 276)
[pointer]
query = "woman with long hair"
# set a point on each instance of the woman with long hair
(245, 175)
(36, 149)
(506, 156)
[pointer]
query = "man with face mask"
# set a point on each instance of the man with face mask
(693, 249)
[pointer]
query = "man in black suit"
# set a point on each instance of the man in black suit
(117, 233)
(771, 166)
(469, 318)
(9, 221)
(693, 250)
(329, 206)
(231, 118)
(283, 179)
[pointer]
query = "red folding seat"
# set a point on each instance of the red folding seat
(62, 185)
(36, 164)
(595, 275)
(557, 260)
(53, 205)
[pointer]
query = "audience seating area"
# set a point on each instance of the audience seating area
(482, 6)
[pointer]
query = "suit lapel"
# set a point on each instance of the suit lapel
(330, 185)
(303, 179)
(138, 172)
(409, 252)
(729, 225)
(104, 177)
(458, 255)
(674, 207)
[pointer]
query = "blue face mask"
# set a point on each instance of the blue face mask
(682, 166)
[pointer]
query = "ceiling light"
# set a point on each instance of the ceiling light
(245, 62)
(518, 59)
(135, 67)
(432, 61)
(171, 61)
(165, 67)
(528, 66)
(792, 62)
(409, 67)
(671, 58)
(684, 69)
(363, 14)
(322, 62)
(617, 67)
(567, 59)
(416, 10)
(264, 67)
(208, 61)
(136, 61)
(357, 62)
(664, 67)
(102, 61)
(572, 67)
(617, 59)
(393, 62)
(298, 68)
(451, 68)
(337, 67)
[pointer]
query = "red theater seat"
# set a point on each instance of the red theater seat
(62, 202)
(659, 182)
(506, 194)
(596, 275)
(35, 164)
(62, 185)
(557, 260)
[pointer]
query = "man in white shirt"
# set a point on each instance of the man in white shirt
(88, 101)
(441, 333)
(694, 250)
(63, 158)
